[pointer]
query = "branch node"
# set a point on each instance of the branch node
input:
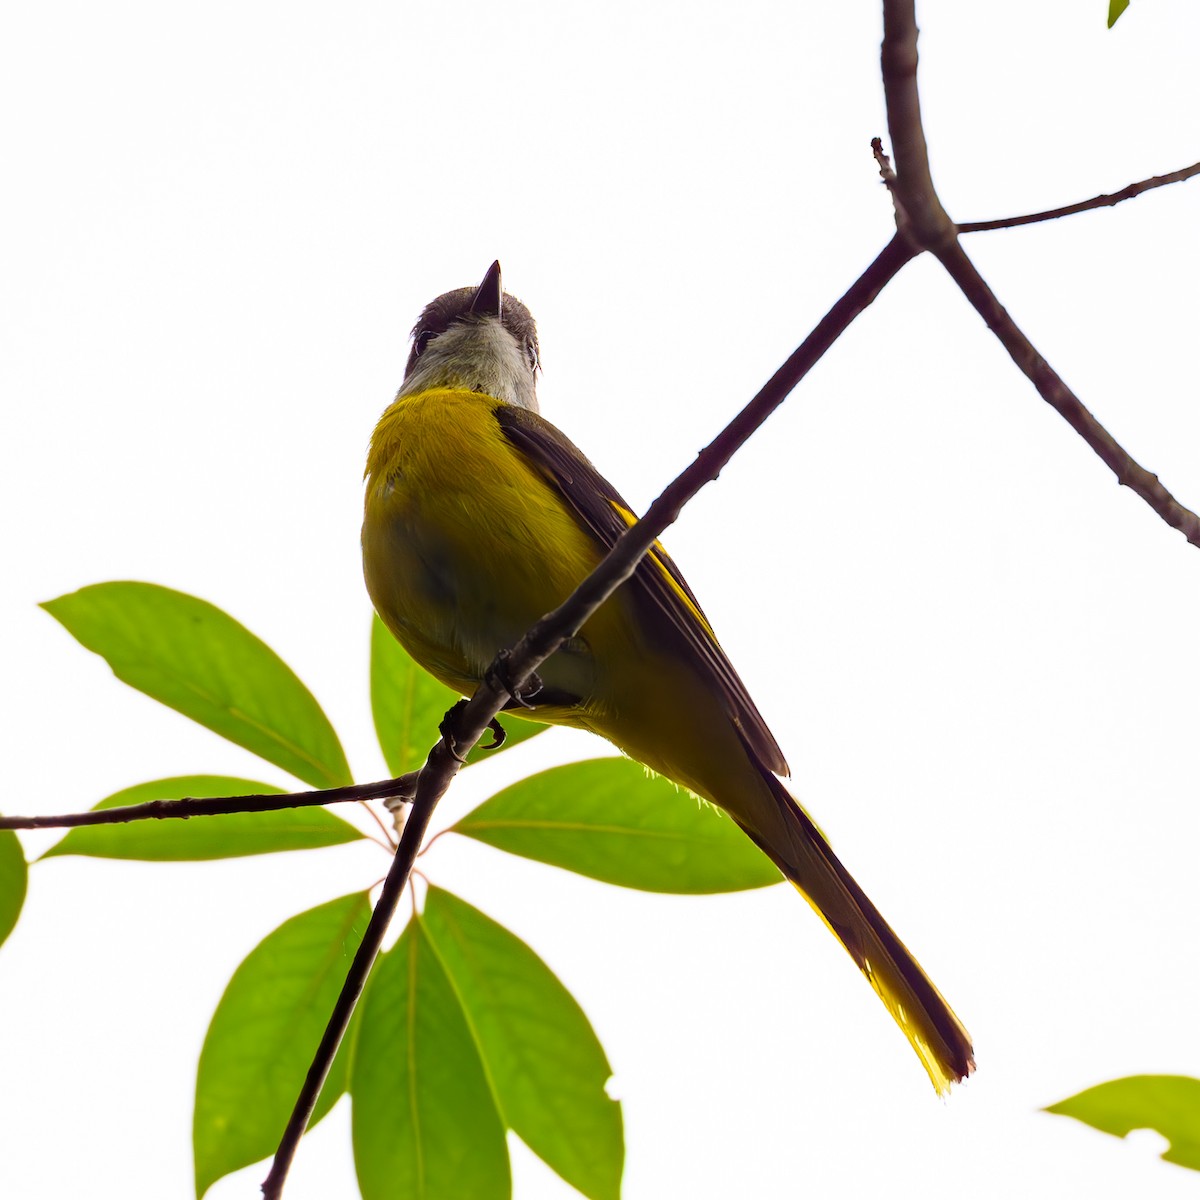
(886, 171)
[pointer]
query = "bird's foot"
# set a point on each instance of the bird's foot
(446, 729)
(499, 676)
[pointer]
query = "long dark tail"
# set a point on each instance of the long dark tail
(803, 855)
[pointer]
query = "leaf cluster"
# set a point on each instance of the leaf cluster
(464, 1033)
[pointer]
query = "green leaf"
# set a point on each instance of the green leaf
(1169, 1104)
(14, 877)
(263, 1035)
(546, 1065)
(199, 661)
(607, 818)
(1115, 9)
(409, 704)
(231, 835)
(425, 1123)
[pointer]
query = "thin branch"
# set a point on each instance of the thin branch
(161, 810)
(1107, 200)
(364, 959)
(1056, 393)
(635, 541)
(921, 219)
(467, 724)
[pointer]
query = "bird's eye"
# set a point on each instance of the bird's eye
(422, 340)
(531, 352)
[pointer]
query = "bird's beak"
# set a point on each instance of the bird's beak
(489, 296)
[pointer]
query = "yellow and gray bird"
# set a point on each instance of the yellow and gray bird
(481, 516)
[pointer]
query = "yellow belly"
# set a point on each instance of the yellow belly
(466, 545)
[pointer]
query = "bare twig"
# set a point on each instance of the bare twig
(886, 171)
(470, 721)
(888, 174)
(924, 223)
(1056, 393)
(161, 810)
(1107, 200)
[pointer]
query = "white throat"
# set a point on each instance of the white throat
(482, 356)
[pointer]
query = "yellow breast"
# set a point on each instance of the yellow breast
(465, 544)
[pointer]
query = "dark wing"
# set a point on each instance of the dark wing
(602, 511)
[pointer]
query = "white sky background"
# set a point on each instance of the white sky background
(218, 225)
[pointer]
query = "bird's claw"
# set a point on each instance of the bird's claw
(499, 676)
(446, 729)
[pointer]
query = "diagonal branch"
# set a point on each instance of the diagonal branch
(922, 220)
(432, 782)
(1107, 200)
(621, 561)
(470, 720)
(1056, 393)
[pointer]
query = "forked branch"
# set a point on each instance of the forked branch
(922, 220)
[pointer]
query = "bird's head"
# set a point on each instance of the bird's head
(477, 338)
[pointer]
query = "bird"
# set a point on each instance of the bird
(480, 516)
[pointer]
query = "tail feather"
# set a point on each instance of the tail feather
(803, 855)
